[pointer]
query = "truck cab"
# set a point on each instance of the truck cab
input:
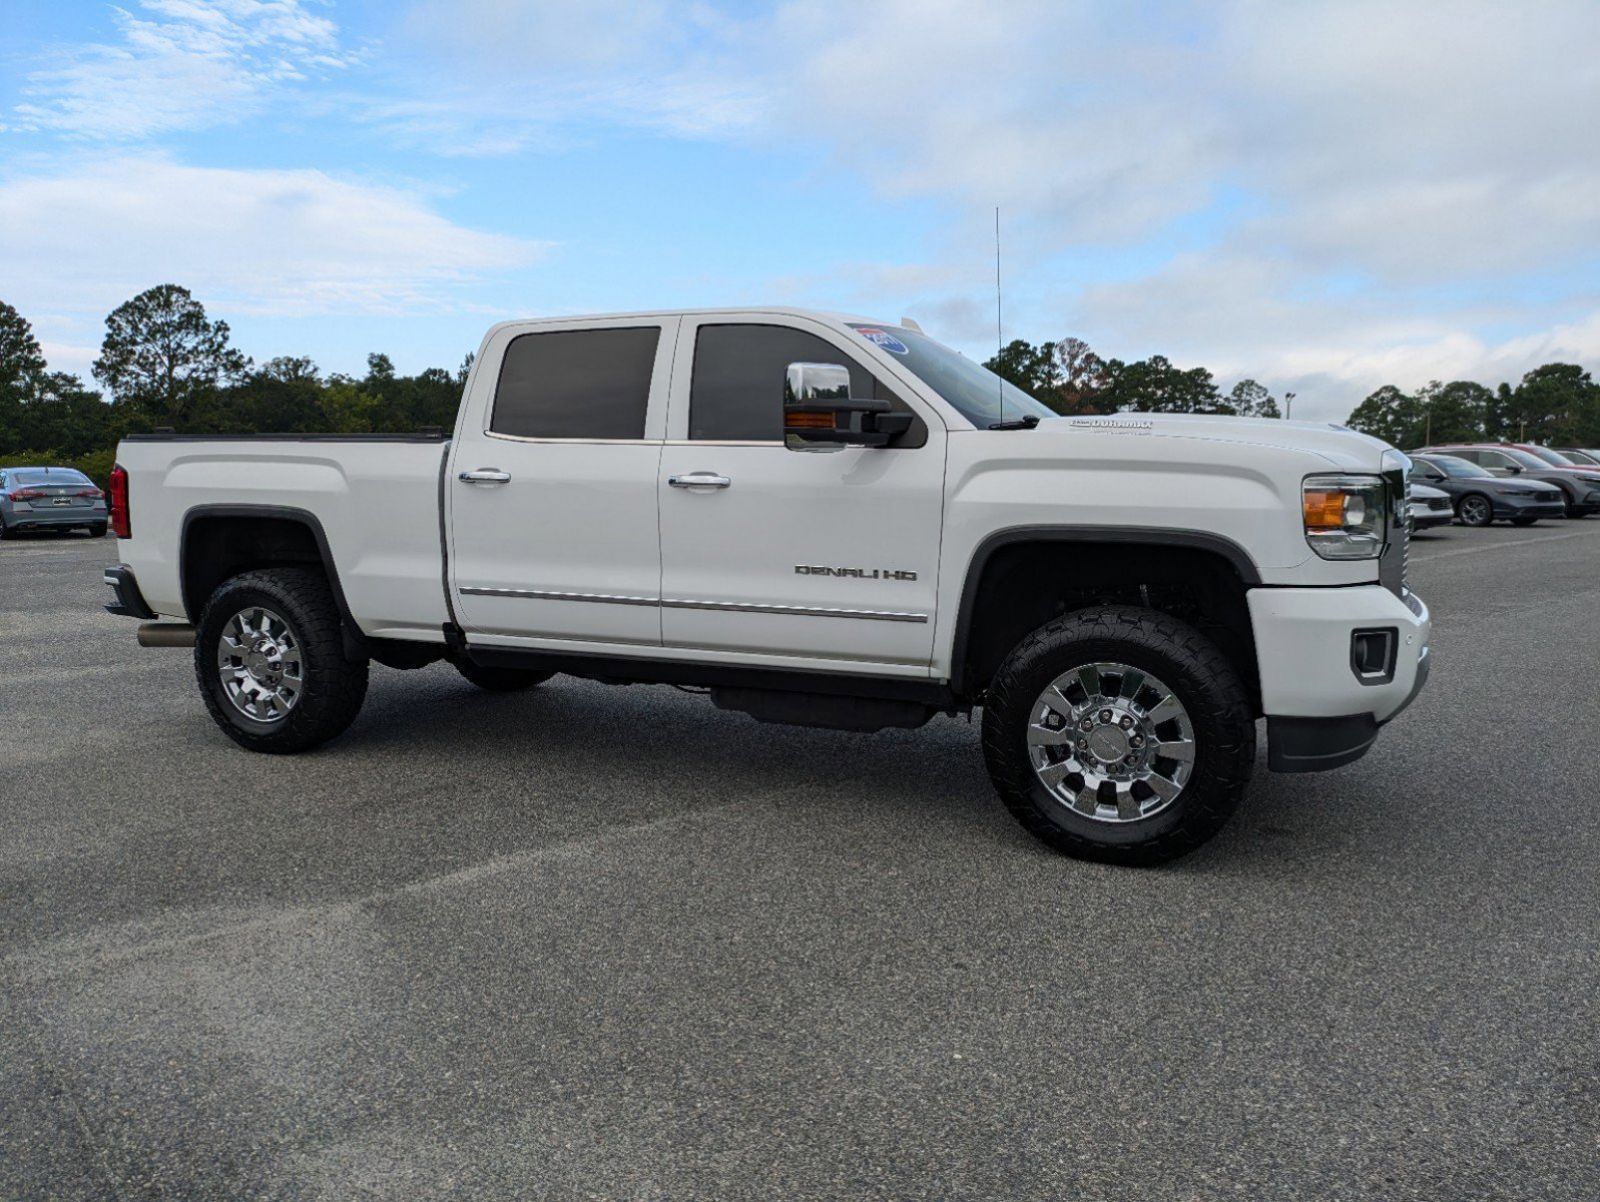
(822, 519)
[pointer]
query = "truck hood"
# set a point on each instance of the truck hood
(1342, 448)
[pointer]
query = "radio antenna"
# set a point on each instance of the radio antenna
(999, 338)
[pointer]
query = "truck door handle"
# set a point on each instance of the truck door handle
(485, 475)
(699, 480)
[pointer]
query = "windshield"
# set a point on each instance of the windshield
(47, 475)
(1451, 466)
(1552, 457)
(972, 388)
(1522, 458)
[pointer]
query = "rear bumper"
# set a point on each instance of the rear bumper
(130, 603)
(1322, 712)
(44, 519)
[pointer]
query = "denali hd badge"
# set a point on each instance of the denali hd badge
(801, 569)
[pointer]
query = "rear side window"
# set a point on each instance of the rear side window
(576, 384)
(736, 392)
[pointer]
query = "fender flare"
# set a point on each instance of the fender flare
(285, 513)
(1145, 536)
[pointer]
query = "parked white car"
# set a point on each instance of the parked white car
(1430, 507)
(825, 520)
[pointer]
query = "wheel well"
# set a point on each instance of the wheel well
(217, 546)
(1025, 584)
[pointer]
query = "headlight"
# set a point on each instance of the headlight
(1345, 516)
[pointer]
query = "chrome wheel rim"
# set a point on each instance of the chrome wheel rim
(1111, 743)
(260, 664)
(1474, 510)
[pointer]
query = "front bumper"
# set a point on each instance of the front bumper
(1321, 713)
(1527, 505)
(1427, 519)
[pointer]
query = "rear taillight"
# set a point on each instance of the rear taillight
(120, 519)
(28, 494)
(94, 493)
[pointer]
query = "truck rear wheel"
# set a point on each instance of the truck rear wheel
(269, 656)
(1119, 734)
(500, 680)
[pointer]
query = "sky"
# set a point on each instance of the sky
(1325, 197)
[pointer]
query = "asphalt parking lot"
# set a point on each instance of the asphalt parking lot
(615, 943)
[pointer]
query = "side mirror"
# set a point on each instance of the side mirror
(1513, 469)
(819, 413)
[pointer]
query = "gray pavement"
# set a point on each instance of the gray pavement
(613, 943)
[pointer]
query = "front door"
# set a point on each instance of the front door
(817, 558)
(553, 488)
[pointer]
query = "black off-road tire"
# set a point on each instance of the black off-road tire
(1203, 680)
(335, 686)
(501, 680)
(1479, 513)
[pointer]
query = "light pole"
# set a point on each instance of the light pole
(1288, 406)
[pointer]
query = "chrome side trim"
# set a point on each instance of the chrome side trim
(802, 611)
(529, 594)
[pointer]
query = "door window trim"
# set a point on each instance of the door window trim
(656, 400)
(683, 366)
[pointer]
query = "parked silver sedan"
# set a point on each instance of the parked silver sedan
(50, 498)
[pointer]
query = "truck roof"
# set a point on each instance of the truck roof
(824, 315)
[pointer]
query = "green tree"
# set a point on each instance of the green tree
(1453, 412)
(1389, 414)
(1250, 399)
(22, 371)
(1154, 385)
(1031, 368)
(1556, 403)
(165, 360)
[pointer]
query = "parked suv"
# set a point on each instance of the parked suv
(50, 498)
(1480, 497)
(1580, 486)
(1580, 456)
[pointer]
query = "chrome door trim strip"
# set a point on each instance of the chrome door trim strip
(532, 594)
(802, 611)
(799, 611)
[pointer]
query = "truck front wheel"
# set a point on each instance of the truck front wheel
(269, 656)
(1119, 734)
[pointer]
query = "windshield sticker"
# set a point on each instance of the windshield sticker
(884, 339)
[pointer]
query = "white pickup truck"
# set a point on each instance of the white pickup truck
(824, 520)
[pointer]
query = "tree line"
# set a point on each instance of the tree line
(164, 363)
(1556, 404)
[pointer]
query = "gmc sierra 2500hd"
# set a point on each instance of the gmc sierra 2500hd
(824, 520)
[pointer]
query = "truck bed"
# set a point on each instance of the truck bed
(374, 500)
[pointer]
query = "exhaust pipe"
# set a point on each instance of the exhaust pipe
(166, 634)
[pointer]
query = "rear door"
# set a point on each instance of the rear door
(812, 559)
(552, 487)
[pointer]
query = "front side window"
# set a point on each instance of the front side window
(736, 391)
(587, 384)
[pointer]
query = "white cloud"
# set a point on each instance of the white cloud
(182, 65)
(302, 242)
